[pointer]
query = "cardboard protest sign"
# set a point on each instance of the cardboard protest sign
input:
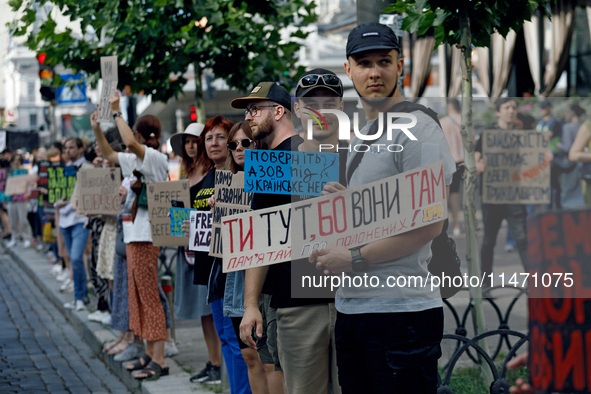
(281, 172)
(350, 218)
(516, 172)
(20, 184)
(160, 195)
(177, 217)
(200, 231)
(110, 78)
(559, 289)
(98, 191)
(230, 199)
(61, 182)
(17, 197)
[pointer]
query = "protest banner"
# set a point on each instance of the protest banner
(61, 182)
(559, 289)
(297, 173)
(110, 78)
(20, 185)
(516, 172)
(200, 231)
(42, 180)
(177, 217)
(160, 195)
(98, 191)
(21, 196)
(350, 218)
(230, 199)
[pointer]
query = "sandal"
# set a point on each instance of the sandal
(152, 371)
(112, 344)
(140, 363)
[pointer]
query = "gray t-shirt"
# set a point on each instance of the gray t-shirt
(431, 146)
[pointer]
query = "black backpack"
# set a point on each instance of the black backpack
(445, 259)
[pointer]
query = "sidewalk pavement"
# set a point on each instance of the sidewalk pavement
(189, 336)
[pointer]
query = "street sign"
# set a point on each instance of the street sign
(67, 95)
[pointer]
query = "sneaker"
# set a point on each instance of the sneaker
(214, 376)
(170, 349)
(67, 286)
(78, 305)
(130, 352)
(56, 269)
(203, 374)
(40, 247)
(509, 248)
(106, 319)
(26, 243)
(456, 232)
(63, 276)
(97, 316)
(11, 243)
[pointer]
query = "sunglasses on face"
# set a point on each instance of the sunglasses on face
(312, 80)
(245, 144)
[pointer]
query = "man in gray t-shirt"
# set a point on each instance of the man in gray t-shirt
(387, 338)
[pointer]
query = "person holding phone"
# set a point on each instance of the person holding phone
(190, 301)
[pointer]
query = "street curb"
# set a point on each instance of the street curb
(95, 334)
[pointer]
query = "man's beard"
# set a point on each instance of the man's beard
(264, 129)
(376, 102)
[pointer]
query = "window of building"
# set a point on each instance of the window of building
(33, 120)
(31, 91)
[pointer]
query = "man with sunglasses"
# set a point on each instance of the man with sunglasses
(268, 112)
(305, 325)
(387, 338)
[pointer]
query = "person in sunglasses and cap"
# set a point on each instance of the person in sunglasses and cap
(388, 339)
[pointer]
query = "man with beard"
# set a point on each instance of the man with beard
(387, 338)
(268, 112)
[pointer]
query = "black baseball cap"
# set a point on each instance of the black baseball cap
(371, 36)
(266, 91)
(329, 81)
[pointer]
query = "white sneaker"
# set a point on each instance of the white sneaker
(26, 243)
(40, 247)
(97, 316)
(11, 243)
(64, 275)
(56, 269)
(170, 349)
(80, 306)
(107, 319)
(67, 286)
(456, 232)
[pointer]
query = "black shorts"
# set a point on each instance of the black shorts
(457, 178)
(236, 324)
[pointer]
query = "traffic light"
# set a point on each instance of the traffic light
(46, 75)
(193, 111)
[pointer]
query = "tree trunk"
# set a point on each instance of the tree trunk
(469, 205)
(199, 103)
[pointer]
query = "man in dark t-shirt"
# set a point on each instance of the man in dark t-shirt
(268, 111)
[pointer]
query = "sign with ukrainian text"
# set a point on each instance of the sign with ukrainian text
(230, 199)
(160, 196)
(292, 173)
(516, 172)
(350, 218)
(110, 77)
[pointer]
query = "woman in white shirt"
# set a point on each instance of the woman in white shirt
(146, 315)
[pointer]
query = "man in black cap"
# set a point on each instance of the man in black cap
(268, 111)
(387, 338)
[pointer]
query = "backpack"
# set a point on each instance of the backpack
(444, 258)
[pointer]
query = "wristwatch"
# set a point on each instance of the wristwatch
(117, 114)
(358, 263)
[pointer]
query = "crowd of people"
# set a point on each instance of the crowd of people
(271, 342)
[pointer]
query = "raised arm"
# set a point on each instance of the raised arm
(106, 150)
(126, 133)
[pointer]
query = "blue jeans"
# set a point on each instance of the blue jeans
(75, 238)
(237, 370)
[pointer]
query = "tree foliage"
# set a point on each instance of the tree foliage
(486, 16)
(157, 40)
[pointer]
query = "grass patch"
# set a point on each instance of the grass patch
(469, 380)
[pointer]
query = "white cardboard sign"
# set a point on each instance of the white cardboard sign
(200, 231)
(110, 78)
